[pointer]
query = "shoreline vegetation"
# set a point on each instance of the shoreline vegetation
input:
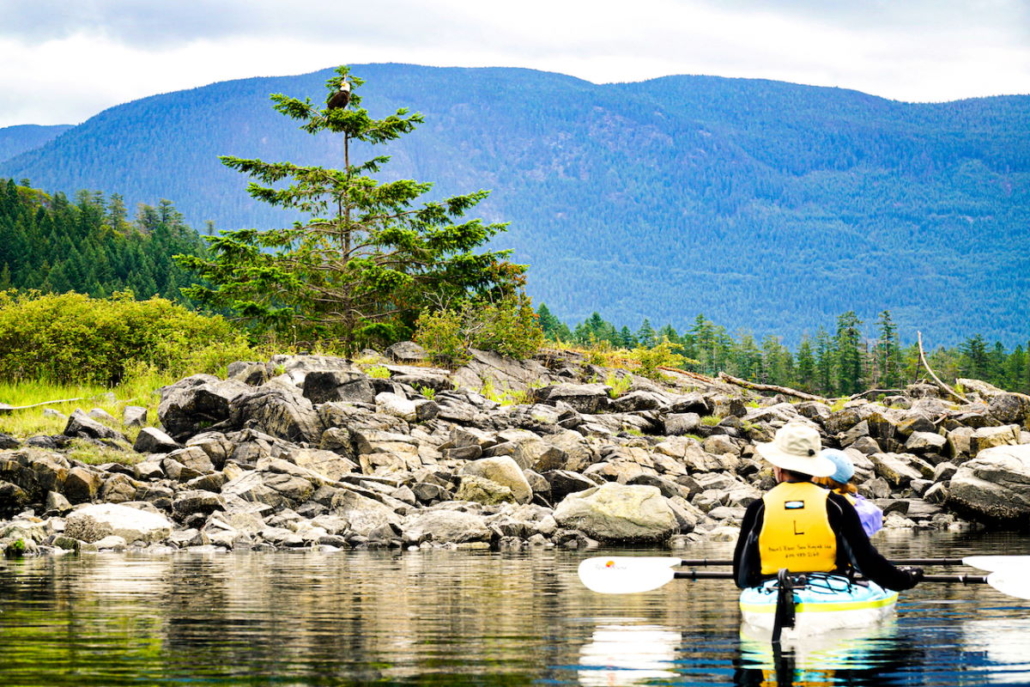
(121, 351)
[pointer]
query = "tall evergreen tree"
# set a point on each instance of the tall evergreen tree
(888, 353)
(806, 371)
(367, 260)
(848, 352)
(646, 335)
(824, 362)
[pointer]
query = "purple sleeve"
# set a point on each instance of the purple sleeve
(869, 515)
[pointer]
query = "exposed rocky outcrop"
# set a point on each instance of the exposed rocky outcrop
(310, 451)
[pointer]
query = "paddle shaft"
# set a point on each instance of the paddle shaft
(727, 575)
(701, 562)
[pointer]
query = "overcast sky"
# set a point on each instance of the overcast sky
(64, 61)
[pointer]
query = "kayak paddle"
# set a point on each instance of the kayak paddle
(632, 575)
(988, 563)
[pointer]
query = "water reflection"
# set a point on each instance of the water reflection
(848, 656)
(628, 655)
(1005, 647)
(464, 618)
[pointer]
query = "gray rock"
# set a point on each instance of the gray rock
(615, 512)
(195, 403)
(504, 471)
(678, 424)
(153, 440)
(94, 522)
(446, 526)
(994, 486)
(82, 425)
(279, 412)
(583, 398)
(406, 352)
(326, 386)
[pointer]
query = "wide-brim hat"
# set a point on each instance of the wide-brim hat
(796, 448)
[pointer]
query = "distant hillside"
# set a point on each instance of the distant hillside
(765, 206)
(15, 140)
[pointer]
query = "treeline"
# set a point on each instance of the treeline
(845, 360)
(51, 244)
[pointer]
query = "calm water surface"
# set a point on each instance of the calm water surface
(466, 618)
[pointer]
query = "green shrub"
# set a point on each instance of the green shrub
(661, 355)
(441, 333)
(509, 327)
(66, 338)
(378, 372)
(618, 385)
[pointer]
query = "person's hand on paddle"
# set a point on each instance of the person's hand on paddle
(914, 573)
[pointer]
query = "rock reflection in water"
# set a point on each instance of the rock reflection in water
(1005, 643)
(628, 655)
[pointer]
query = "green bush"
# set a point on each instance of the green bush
(656, 357)
(509, 327)
(442, 334)
(69, 338)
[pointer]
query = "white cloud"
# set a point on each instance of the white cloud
(65, 61)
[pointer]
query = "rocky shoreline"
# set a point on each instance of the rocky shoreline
(311, 452)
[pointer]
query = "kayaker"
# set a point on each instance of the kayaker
(840, 482)
(802, 527)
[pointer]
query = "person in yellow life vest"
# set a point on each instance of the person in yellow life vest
(802, 527)
(840, 481)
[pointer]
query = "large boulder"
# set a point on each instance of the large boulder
(93, 523)
(327, 386)
(195, 403)
(994, 486)
(503, 470)
(82, 425)
(446, 526)
(584, 398)
(619, 513)
(279, 412)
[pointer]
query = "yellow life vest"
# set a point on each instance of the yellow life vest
(796, 532)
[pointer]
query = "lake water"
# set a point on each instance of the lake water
(468, 618)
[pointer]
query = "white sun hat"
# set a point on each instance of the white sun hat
(796, 448)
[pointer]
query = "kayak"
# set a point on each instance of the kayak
(822, 602)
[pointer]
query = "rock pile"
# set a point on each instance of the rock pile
(309, 451)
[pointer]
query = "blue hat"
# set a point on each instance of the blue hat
(845, 469)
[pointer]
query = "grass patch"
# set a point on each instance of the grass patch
(140, 390)
(92, 453)
(711, 420)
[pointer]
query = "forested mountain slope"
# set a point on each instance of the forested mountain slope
(765, 206)
(15, 140)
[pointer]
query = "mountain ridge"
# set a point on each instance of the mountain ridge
(766, 206)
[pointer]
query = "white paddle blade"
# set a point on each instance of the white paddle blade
(993, 563)
(626, 575)
(1010, 581)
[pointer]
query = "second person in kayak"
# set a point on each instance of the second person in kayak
(802, 527)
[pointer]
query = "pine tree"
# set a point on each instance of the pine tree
(824, 362)
(367, 260)
(806, 370)
(646, 335)
(848, 354)
(974, 362)
(888, 353)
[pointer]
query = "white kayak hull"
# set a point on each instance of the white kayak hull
(826, 603)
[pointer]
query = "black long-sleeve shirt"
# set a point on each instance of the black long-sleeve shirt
(854, 550)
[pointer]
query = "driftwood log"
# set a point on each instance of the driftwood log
(4, 408)
(786, 391)
(944, 387)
